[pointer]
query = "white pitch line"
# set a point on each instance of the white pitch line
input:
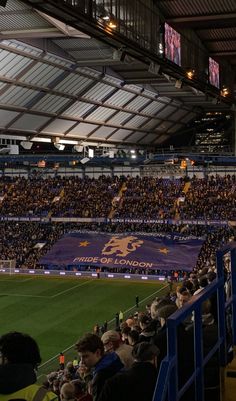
(25, 295)
(110, 321)
(71, 288)
(15, 281)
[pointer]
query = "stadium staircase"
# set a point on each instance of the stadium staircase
(176, 204)
(118, 203)
(186, 187)
(56, 199)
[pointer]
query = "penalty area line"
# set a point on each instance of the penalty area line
(71, 288)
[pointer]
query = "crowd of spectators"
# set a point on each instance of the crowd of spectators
(113, 366)
(139, 343)
(211, 198)
(58, 196)
(149, 197)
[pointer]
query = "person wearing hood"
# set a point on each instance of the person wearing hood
(91, 351)
(19, 359)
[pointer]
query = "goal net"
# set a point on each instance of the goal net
(7, 266)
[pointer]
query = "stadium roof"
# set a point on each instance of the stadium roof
(58, 82)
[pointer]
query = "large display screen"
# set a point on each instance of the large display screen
(172, 45)
(214, 73)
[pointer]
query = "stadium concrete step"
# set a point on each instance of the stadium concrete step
(229, 382)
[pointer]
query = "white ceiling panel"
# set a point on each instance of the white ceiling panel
(51, 103)
(120, 98)
(167, 112)
(41, 74)
(151, 94)
(137, 103)
(136, 121)
(17, 96)
(120, 134)
(58, 126)
(136, 136)
(153, 108)
(120, 118)
(175, 128)
(6, 117)
(177, 116)
(164, 126)
(102, 132)
(78, 109)
(12, 64)
(98, 92)
(82, 129)
(134, 88)
(29, 122)
(73, 84)
(164, 99)
(148, 138)
(151, 124)
(101, 114)
(161, 139)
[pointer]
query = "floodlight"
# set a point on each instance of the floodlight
(78, 148)
(90, 152)
(26, 144)
(59, 146)
(84, 160)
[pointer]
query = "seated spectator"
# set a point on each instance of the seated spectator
(112, 343)
(148, 327)
(133, 337)
(19, 359)
(91, 352)
(138, 382)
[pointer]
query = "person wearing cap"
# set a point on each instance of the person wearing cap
(138, 382)
(19, 359)
(91, 352)
(113, 343)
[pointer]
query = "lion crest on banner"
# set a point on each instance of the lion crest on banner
(121, 246)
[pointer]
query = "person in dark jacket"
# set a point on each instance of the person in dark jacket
(19, 358)
(138, 382)
(91, 352)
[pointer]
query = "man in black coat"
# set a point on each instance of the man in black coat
(136, 383)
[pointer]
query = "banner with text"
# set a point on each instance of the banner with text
(124, 250)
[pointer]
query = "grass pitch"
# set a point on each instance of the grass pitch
(57, 311)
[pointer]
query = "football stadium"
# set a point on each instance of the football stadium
(117, 200)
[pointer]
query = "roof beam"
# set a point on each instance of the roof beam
(202, 18)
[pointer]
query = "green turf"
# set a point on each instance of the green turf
(57, 311)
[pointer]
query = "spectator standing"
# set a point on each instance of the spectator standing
(62, 361)
(19, 358)
(117, 320)
(112, 343)
(138, 382)
(121, 317)
(91, 352)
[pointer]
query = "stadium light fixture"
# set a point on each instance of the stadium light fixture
(59, 146)
(84, 160)
(26, 145)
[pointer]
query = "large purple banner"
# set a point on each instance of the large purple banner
(124, 250)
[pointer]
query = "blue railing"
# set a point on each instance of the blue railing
(167, 387)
